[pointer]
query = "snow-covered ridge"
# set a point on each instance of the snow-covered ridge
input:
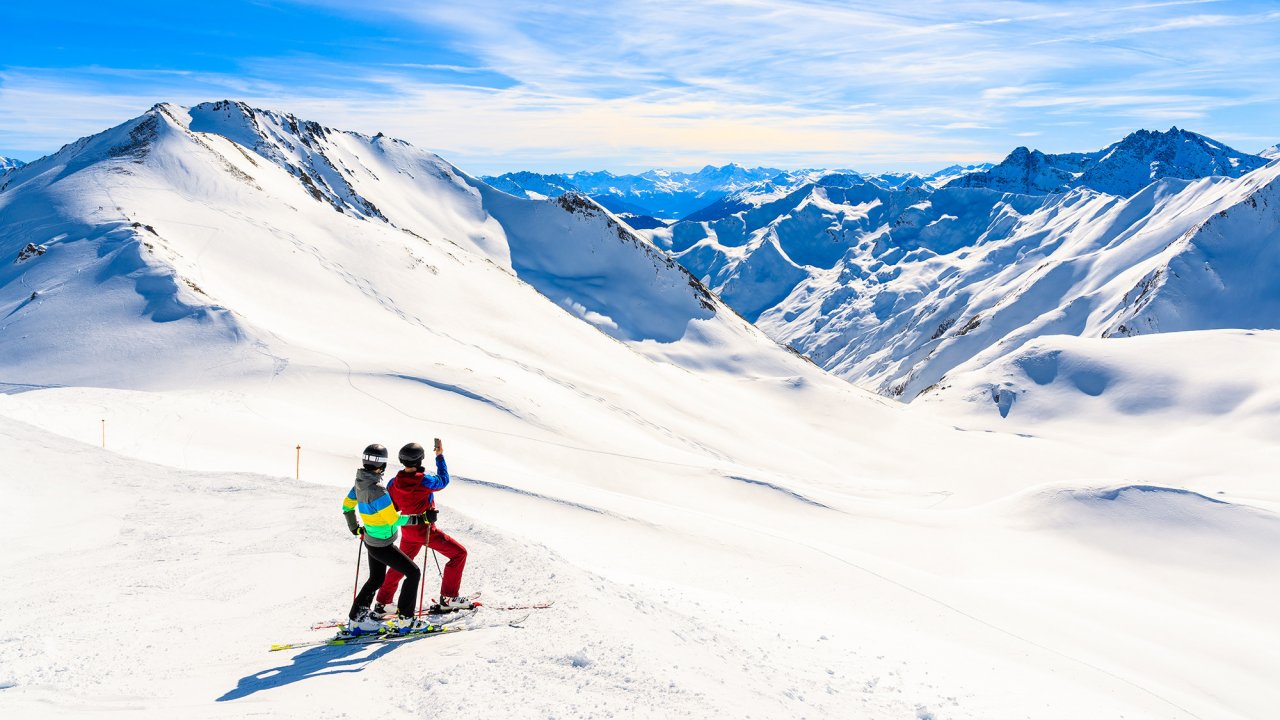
(116, 195)
(1122, 168)
(7, 164)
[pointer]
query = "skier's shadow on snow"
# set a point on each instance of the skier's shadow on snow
(315, 662)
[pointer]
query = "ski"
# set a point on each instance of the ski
(393, 634)
(385, 635)
(426, 612)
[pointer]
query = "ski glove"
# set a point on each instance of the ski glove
(429, 517)
(357, 531)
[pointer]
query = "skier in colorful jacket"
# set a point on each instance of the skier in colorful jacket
(379, 531)
(413, 491)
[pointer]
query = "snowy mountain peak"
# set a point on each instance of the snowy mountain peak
(951, 172)
(309, 207)
(7, 164)
(1271, 153)
(309, 151)
(1121, 169)
(1026, 171)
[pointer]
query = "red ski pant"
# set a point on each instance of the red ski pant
(441, 543)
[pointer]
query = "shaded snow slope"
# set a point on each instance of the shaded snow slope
(1213, 377)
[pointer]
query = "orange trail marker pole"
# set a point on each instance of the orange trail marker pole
(104, 433)
(297, 463)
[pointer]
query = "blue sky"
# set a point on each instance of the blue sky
(497, 86)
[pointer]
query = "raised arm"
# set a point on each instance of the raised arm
(440, 480)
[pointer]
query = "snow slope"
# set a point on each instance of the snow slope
(727, 530)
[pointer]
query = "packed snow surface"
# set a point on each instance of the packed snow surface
(204, 302)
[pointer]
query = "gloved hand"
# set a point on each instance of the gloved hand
(429, 517)
(357, 530)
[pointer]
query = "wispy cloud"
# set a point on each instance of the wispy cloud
(781, 82)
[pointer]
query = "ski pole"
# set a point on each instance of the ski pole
(426, 550)
(359, 554)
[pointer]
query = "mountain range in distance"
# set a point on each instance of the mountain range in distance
(898, 289)
(895, 281)
(659, 195)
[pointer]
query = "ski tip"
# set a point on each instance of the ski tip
(285, 646)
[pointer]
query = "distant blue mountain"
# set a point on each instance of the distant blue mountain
(676, 195)
(656, 193)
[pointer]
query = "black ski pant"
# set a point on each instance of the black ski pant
(380, 558)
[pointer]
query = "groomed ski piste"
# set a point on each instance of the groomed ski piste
(725, 529)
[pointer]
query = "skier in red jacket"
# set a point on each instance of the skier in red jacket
(413, 492)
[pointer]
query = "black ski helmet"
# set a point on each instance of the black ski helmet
(375, 457)
(411, 455)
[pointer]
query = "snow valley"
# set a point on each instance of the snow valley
(201, 297)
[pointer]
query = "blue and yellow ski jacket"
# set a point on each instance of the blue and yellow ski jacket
(377, 512)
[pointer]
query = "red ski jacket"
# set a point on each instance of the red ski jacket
(414, 493)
